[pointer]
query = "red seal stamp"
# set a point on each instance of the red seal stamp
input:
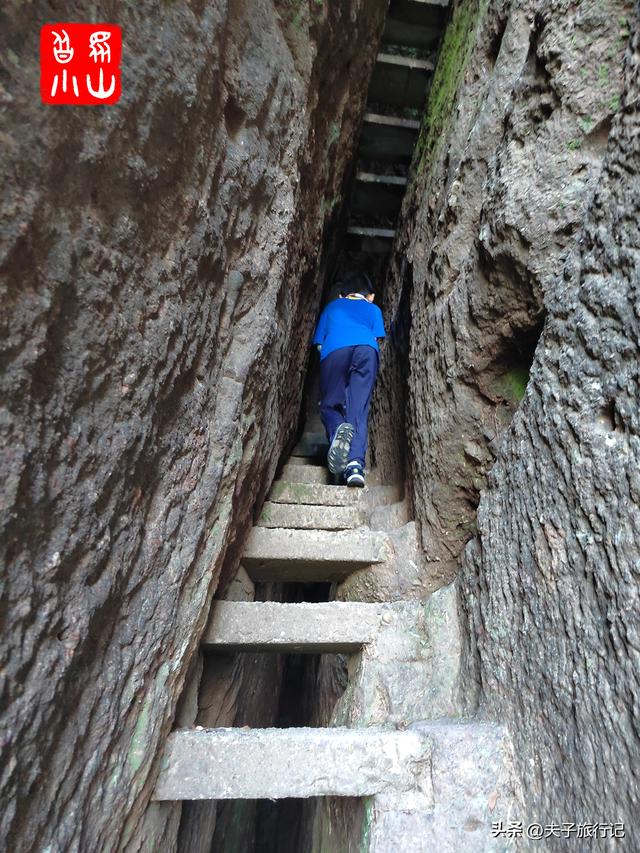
(80, 64)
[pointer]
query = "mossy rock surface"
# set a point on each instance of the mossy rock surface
(455, 52)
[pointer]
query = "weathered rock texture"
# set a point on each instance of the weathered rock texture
(524, 204)
(552, 585)
(509, 155)
(159, 281)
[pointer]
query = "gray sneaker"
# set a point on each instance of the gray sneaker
(338, 454)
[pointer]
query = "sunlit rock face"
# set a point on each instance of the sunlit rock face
(160, 280)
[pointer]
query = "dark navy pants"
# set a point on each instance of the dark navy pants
(347, 376)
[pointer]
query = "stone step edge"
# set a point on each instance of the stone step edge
(237, 763)
(391, 121)
(405, 61)
(282, 555)
(361, 231)
(329, 626)
(296, 516)
(373, 178)
(332, 546)
(318, 494)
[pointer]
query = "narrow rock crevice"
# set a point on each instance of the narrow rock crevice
(209, 643)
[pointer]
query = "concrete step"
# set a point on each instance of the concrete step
(314, 494)
(310, 555)
(230, 764)
(368, 245)
(391, 180)
(387, 139)
(379, 119)
(305, 474)
(361, 230)
(302, 460)
(304, 517)
(400, 81)
(401, 61)
(332, 626)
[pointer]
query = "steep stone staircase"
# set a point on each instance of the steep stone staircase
(395, 735)
(433, 780)
(395, 104)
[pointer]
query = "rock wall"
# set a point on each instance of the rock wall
(523, 214)
(160, 277)
(551, 586)
(510, 152)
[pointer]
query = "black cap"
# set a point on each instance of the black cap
(356, 282)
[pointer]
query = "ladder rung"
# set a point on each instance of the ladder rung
(392, 121)
(371, 178)
(371, 232)
(406, 61)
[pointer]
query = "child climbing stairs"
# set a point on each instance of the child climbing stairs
(430, 777)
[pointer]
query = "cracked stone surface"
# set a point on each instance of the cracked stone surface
(411, 669)
(472, 789)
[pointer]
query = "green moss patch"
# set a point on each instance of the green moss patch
(514, 383)
(453, 58)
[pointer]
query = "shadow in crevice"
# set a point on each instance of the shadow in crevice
(510, 371)
(280, 826)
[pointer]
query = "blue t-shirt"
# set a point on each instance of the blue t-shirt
(348, 323)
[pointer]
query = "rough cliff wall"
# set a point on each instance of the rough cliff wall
(160, 277)
(524, 205)
(551, 586)
(510, 152)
